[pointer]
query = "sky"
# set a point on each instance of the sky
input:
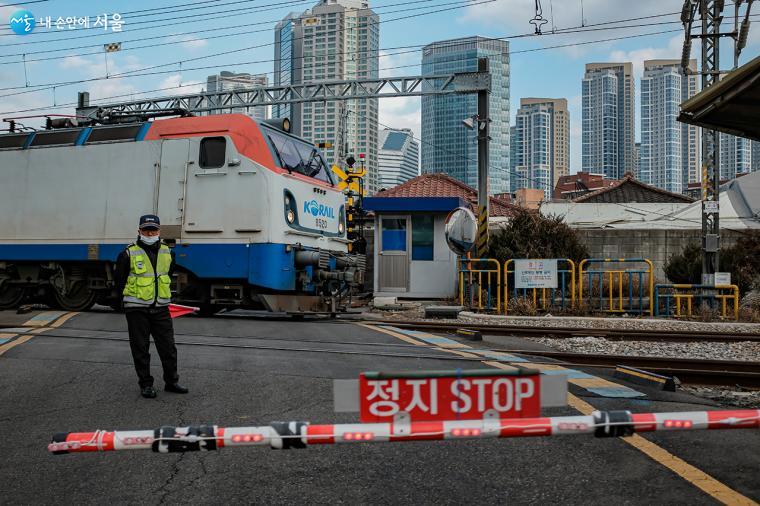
(166, 41)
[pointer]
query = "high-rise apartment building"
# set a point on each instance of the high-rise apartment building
(608, 119)
(540, 144)
(334, 40)
(447, 145)
(226, 81)
(735, 156)
(399, 157)
(669, 156)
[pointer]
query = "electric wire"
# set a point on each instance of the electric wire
(140, 72)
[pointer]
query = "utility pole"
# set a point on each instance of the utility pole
(711, 15)
(482, 130)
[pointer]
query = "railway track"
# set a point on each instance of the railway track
(567, 332)
(687, 370)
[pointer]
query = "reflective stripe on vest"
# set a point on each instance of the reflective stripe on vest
(140, 290)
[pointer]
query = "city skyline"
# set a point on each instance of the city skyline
(538, 71)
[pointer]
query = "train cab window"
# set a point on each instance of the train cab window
(300, 157)
(212, 152)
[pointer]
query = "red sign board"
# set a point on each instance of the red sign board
(448, 397)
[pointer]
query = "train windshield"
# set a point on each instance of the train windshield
(298, 156)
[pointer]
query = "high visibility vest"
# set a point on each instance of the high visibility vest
(140, 290)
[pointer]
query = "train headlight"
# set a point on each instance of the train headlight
(287, 201)
(290, 216)
(341, 227)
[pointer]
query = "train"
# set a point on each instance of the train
(253, 213)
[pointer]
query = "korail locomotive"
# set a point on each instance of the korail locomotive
(253, 213)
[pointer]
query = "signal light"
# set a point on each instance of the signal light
(358, 436)
(678, 424)
(247, 438)
(465, 432)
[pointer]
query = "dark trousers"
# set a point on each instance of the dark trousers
(142, 323)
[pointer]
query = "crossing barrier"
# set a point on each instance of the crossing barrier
(679, 300)
(287, 435)
(544, 298)
(479, 279)
(615, 287)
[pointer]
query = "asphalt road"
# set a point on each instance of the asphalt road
(79, 377)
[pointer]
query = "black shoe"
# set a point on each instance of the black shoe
(148, 392)
(176, 388)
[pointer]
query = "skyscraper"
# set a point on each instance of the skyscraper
(399, 157)
(608, 119)
(540, 144)
(735, 156)
(226, 81)
(669, 157)
(288, 65)
(339, 40)
(447, 145)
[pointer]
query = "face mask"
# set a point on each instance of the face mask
(149, 240)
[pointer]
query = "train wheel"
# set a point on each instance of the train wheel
(11, 296)
(80, 298)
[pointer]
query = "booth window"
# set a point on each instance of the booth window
(213, 152)
(394, 234)
(422, 237)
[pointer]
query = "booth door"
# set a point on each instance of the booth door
(393, 266)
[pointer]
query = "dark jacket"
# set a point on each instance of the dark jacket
(121, 272)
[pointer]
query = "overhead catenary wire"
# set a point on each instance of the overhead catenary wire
(270, 22)
(140, 71)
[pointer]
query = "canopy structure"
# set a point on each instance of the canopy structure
(731, 106)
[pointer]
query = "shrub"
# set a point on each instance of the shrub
(530, 235)
(742, 260)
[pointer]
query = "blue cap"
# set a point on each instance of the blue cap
(149, 221)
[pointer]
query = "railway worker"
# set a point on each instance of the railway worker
(146, 305)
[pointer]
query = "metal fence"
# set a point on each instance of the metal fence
(561, 297)
(479, 282)
(680, 300)
(617, 285)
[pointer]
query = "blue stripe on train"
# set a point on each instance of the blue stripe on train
(267, 265)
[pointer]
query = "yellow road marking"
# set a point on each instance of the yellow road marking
(8, 346)
(698, 478)
(40, 327)
(63, 319)
(392, 333)
(642, 375)
(703, 481)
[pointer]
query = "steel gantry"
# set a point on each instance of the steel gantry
(710, 12)
(410, 86)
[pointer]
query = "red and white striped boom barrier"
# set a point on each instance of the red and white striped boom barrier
(284, 435)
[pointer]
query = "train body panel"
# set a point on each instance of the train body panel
(229, 208)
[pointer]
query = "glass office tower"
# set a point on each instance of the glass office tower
(447, 145)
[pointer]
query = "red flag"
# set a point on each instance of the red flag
(176, 310)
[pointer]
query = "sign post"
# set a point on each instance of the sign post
(531, 273)
(426, 396)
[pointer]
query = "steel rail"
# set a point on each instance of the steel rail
(691, 371)
(687, 370)
(567, 332)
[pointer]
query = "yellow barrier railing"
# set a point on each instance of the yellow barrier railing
(616, 300)
(673, 297)
(557, 297)
(471, 274)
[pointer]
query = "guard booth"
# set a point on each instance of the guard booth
(412, 259)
